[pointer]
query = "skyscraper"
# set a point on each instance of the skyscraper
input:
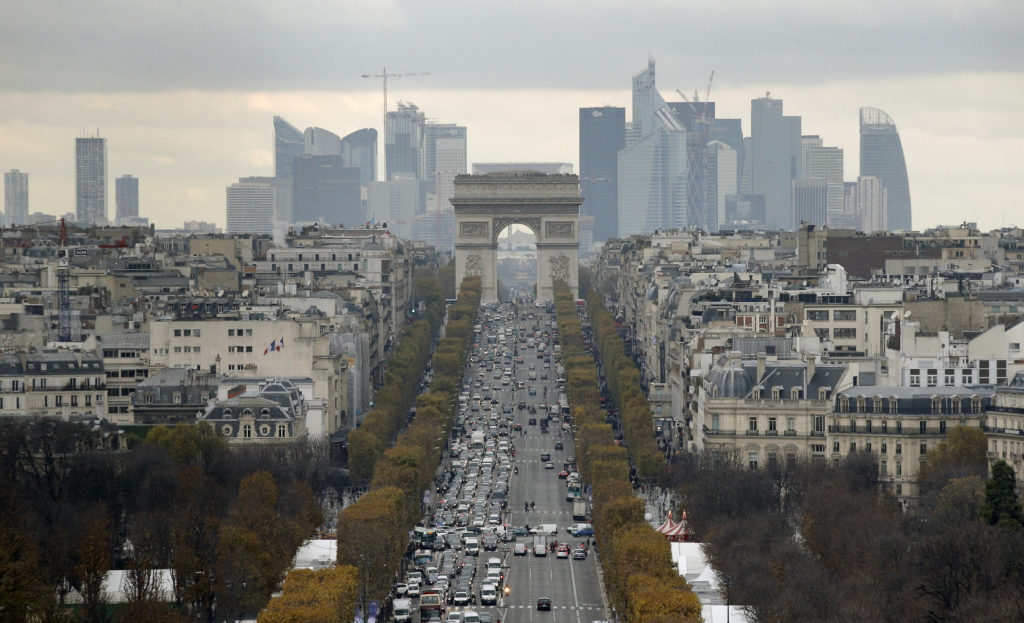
(824, 163)
(872, 204)
(881, 156)
(251, 207)
(91, 180)
(321, 142)
(326, 191)
(404, 140)
(126, 198)
(646, 102)
(359, 149)
(722, 177)
(602, 136)
(652, 179)
(775, 160)
(810, 201)
(16, 197)
(289, 143)
(444, 157)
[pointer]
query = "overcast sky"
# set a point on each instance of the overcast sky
(184, 90)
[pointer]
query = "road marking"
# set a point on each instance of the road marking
(575, 598)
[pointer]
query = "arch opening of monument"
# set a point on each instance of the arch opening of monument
(548, 205)
(517, 262)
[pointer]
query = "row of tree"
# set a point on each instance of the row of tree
(636, 560)
(373, 532)
(225, 523)
(395, 396)
(623, 381)
(819, 541)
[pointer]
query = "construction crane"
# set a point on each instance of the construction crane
(696, 155)
(384, 75)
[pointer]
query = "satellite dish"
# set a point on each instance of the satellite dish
(245, 293)
(220, 293)
(906, 314)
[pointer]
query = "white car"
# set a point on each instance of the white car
(414, 589)
(470, 616)
(488, 595)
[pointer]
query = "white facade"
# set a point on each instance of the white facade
(872, 204)
(825, 164)
(251, 208)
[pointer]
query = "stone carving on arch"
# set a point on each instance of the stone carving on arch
(532, 222)
(474, 265)
(560, 268)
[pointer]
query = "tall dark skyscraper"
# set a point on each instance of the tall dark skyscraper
(289, 142)
(326, 190)
(404, 141)
(602, 135)
(881, 156)
(91, 180)
(359, 149)
(126, 197)
(16, 197)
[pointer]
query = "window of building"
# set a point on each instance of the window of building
(899, 468)
(877, 406)
(975, 404)
(822, 333)
(772, 426)
(835, 446)
(883, 468)
(247, 431)
(248, 333)
(853, 446)
(933, 377)
(942, 427)
(924, 448)
(818, 448)
(965, 377)
(922, 427)
(177, 349)
(950, 377)
(853, 426)
(248, 349)
(819, 423)
(177, 333)
(867, 426)
(752, 460)
(844, 333)
(867, 446)
(58, 400)
(187, 332)
(915, 377)
(282, 430)
(714, 422)
(195, 349)
(176, 398)
(899, 448)
(791, 424)
(899, 427)
(845, 315)
(149, 398)
(899, 489)
(817, 315)
(197, 332)
(752, 424)
(188, 349)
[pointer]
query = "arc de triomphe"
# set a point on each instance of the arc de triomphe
(547, 204)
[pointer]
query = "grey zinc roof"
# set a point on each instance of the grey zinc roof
(736, 381)
(138, 340)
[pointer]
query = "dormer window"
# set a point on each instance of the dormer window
(247, 412)
(844, 404)
(794, 393)
(265, 412)
(822, 393)
(776, 393)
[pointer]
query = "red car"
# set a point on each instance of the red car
(562, 475)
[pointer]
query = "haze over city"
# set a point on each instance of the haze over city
(184, 93)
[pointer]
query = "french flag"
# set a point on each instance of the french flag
(272, 347)
(280, 344)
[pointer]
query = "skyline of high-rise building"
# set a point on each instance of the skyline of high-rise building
(15, 197)
(775, 159)
(359, 149)
(602, 136)
(444, 157)
(823, 162)
(327, 191)
(404, 138)
(652, 179)
(91, 180)
(321, 142)
(289, 143)
(872, 204)
(881, 156)
(126, 198)
(810, 201)
(251, 207)
(721, 182)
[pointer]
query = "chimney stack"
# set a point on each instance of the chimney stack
(761, 362)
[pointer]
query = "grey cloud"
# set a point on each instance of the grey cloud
(126, 45)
